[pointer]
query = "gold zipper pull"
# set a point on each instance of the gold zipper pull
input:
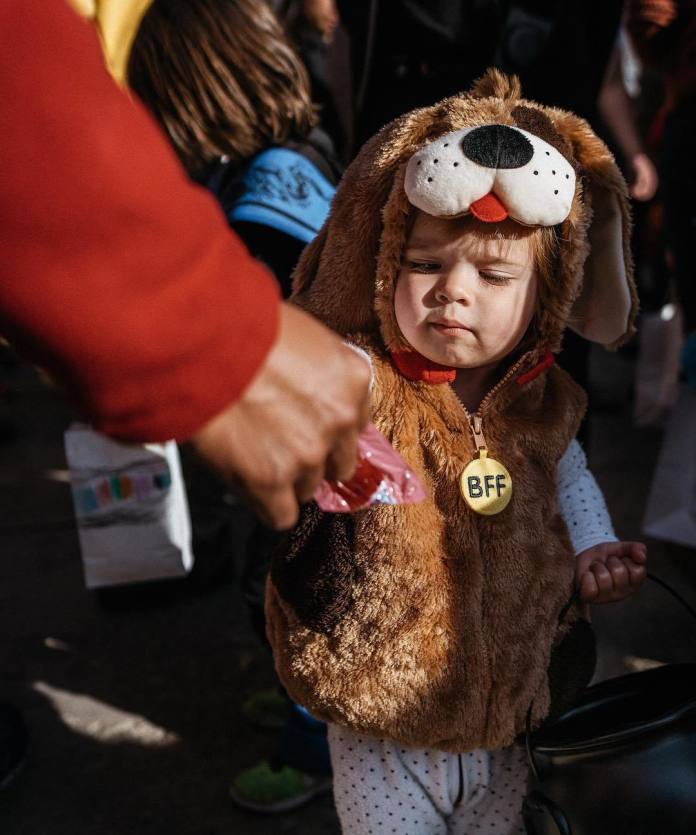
(476, 423)
(485, 484)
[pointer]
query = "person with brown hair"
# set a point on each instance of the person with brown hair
(225, 84)
(220, 78)
(233, 97)
(229, 90)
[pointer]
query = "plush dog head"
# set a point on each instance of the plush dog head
(492, 154)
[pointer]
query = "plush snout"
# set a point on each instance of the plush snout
(470, 169)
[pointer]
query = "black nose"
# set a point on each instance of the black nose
(497, 146)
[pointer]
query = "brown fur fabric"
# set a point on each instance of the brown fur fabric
(430, 624)
(427, 623)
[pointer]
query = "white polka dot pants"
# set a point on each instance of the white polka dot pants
(381, 788)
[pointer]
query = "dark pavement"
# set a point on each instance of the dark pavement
(134, 709)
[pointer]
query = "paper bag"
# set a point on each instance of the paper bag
(657, 368)
(131, 509)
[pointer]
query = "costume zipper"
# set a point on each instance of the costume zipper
(476, 420)
(476, 425)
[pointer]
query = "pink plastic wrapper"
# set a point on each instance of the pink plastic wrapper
(381, 477)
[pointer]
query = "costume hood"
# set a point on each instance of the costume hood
(493, 154)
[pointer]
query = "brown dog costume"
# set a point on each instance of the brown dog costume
(430, 624)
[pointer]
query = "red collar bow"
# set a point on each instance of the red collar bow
(415, 366)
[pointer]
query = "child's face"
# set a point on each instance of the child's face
(464, 300)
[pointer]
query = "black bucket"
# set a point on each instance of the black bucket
(622, 761)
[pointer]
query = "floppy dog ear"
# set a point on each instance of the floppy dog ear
(335, 277)
(605, 307)
(306, 270)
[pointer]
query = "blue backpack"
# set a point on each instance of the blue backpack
(284, 190)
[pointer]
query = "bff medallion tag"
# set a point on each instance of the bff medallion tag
(486, 485)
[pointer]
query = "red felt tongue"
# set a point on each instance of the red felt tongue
(488, 209)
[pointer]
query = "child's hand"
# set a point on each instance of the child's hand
(611, 571)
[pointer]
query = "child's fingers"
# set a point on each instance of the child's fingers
(619, 573)
(635, 551)
(603, 579)
(589, 590)
(636, 573)
(611, 571)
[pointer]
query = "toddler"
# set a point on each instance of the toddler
(461, 242)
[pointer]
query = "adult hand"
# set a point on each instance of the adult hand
(296, 423)
(610, 571)
(644, 178)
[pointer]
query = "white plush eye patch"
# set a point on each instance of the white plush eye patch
(532, 180)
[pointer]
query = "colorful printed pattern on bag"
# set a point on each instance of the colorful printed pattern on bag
(135, 494)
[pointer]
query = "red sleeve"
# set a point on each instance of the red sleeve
(118, 274)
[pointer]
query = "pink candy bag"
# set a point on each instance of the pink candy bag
(381, 477)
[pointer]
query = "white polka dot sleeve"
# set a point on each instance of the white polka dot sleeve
(581, 501)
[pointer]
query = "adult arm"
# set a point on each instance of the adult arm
(118, 275)
(122, 279)
(303, 413)
(616, 109)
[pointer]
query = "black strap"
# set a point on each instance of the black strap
(460, 793)
(528, 743)
(675, 594)
(537, 802)
(575, 598)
